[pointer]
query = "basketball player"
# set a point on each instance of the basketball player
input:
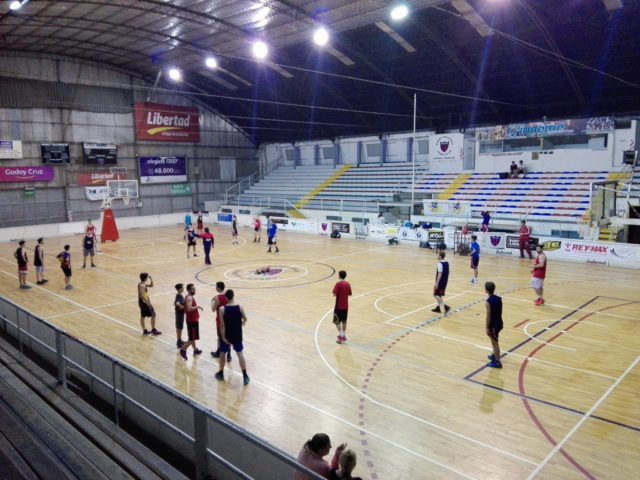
(178, 306)
(88, 247)
(493, 323)
(199, 223)
(146, 309)
(220, 300)
(191, 240)
(475, 257)
(440, 287)
(524, 239)
(342, 292)
(486, 218)
(271, 236)
(234, 230)
(257, 229)
(91, 230)
(207, 245)
(192, 312)
(38, 262)
(539, 272)
(65, 265)
(23, 262)
(233, 319)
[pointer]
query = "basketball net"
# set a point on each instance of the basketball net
(125, 199)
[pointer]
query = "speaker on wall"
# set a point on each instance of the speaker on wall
(629, 157)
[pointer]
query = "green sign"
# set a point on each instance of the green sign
(29, 192)
(181, 189)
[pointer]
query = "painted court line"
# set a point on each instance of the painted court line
(584, 418)
(512, 354)
(394, 409)
(279, 392)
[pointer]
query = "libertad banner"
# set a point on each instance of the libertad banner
(88, 179)
(167, 123)
(27, 174)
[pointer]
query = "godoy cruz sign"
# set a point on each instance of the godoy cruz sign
(167, 123)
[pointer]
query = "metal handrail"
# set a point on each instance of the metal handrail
(63, 360)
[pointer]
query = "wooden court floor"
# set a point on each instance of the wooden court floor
(409, 391)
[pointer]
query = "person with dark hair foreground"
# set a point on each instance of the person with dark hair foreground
(312, 453)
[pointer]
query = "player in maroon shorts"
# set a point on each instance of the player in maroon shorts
(342, 292)
(220, 300)
(192, 314)
(257, 229)
(440, 286)
(23, 262)
(199, 224)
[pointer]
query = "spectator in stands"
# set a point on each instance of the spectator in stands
(513, 170)
(346, 464)
(312, 453)
(521, 171)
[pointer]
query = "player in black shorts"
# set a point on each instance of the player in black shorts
(178, 305)
(493, 323)
(146, 309)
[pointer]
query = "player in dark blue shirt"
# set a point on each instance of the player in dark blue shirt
(191, 240)
(88, 248)
(475, 257)
(493, 323)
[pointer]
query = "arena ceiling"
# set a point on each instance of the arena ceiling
(469, 61)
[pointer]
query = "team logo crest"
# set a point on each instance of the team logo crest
(495, 240)
(444, 145)
(324, 227)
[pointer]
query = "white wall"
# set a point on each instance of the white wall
(552, 160)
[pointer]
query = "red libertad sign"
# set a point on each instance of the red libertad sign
(91, 179)
(167, 123)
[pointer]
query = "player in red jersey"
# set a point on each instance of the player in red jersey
(220, 300)
(199, 224)
(257, 229)
(539, 272)
(524, 239)
(192, 314)
(342, 292)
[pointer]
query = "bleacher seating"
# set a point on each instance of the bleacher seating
(287, 183)
(542, 195)
(562, 195)
(367, 185)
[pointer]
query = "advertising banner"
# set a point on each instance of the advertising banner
(225, 217)
(163, 169)
(323, 228)
(449, 146)
(88, 179)
(342, 227)
(181, 189)
(10, 149)
(592, 125)
(167, 123)
(27, 174)
(96, 193)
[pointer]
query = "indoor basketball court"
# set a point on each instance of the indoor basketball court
(409, 390)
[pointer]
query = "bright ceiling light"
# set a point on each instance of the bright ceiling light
(321, 36)
(175, 75)
(399, 12)
(260, 49)
(15, 5)
(211, 62)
